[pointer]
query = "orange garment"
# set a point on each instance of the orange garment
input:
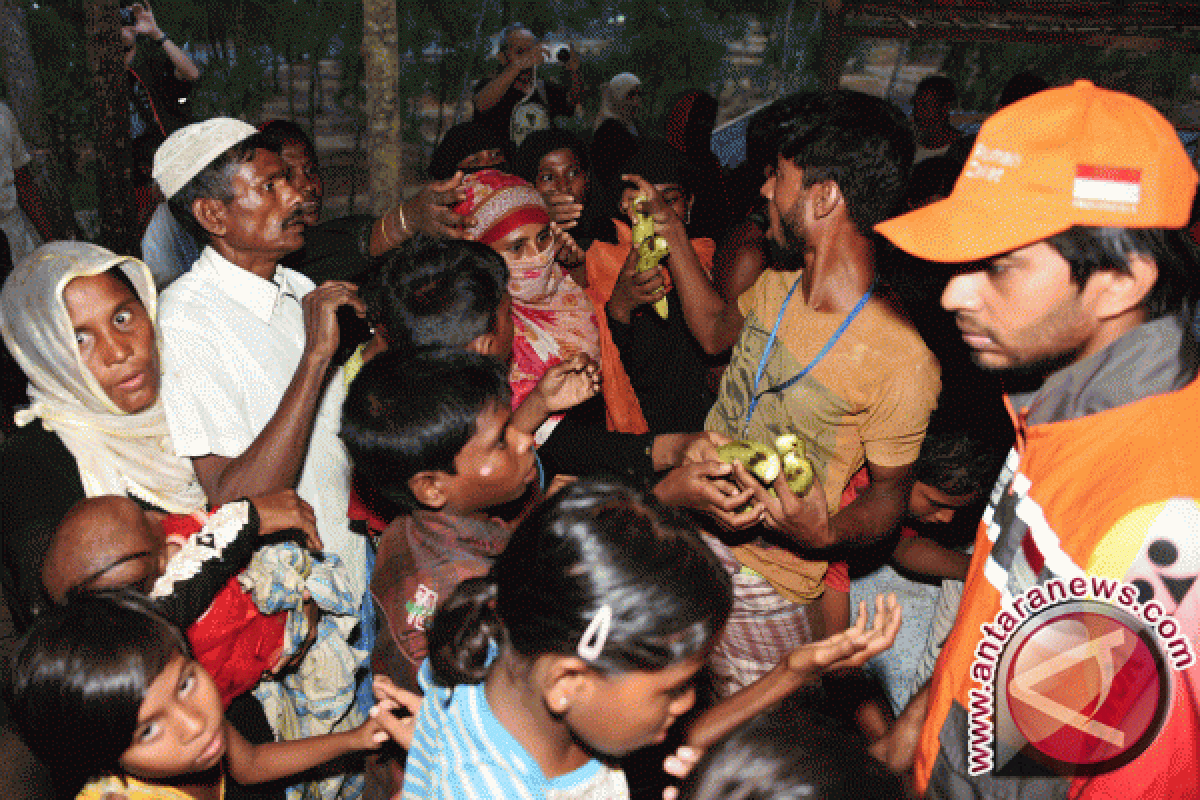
(604, 263)
(1088, 494)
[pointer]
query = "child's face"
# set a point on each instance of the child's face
(620, 713)
(931, 505)
(672, 194)
(559, 172)
(180, 728)
(496, 465)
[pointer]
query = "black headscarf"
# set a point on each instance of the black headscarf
(464, 139)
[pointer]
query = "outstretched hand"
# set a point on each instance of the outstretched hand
(383, 723)
(570, 382)
(429, 210)
(143, 20)
(854, 646)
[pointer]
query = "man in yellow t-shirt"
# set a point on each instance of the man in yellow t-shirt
(842, 368)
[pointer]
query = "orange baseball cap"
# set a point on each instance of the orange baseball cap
(1076, 155)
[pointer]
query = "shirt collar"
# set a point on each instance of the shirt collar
(260, 297)
(1143, 362)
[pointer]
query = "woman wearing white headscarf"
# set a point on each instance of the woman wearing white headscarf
(94, 424)
(615, 136)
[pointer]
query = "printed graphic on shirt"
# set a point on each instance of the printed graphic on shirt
(421, 607)
(526, 118)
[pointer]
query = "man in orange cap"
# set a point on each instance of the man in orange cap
(1071, 669)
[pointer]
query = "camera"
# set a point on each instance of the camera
(558, 52)
(128, 19)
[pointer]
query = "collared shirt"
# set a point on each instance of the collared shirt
(231, 345)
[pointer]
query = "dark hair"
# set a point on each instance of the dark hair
(405, 414)
(790, 756)
(859, 142)
(1175, 290)
(434, 292)
(214, 181)
(1089, 249)
(537, 144)
(940, 86)
(80, 675)
(462, 140)
(1020, 86)
(596, 545)
(279, 133)
(932, 179)
(958, 460)
(658, 163)
(762, 137)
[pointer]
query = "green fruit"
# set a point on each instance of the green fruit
(797, 469)
(651, 248)
(762, 461)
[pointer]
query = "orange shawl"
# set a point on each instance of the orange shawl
(604, 263)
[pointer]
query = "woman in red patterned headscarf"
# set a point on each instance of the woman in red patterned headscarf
(552, 316)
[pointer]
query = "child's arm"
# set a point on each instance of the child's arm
(566, 384)
(924, 556)
(251, 763)
(849, 648)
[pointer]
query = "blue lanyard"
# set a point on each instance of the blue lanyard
(762, 362)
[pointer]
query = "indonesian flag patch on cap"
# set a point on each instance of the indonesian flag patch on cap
(1107, 188)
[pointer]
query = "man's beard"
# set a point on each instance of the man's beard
(788, 254)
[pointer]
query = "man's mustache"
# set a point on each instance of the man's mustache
(300, 213)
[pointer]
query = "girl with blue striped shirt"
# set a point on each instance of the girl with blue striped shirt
(579, 647)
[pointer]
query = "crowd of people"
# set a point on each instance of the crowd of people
(440, 503)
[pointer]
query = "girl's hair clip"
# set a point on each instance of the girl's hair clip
(591, 644)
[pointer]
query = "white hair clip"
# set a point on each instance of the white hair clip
(591, 644)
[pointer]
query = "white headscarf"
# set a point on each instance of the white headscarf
(116, 452)
(614, 101)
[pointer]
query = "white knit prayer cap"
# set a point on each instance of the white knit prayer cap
(193, 147)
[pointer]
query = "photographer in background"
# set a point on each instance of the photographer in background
(516, 101)
(161, 77)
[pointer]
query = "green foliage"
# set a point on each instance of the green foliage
(980, 70)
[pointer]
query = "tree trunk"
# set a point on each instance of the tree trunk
(25, 99)
(381, 63)
(110, 110)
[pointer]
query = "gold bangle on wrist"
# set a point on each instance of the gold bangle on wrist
(388, 242)
(404, 231)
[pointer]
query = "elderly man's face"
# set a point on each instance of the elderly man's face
(267, 214)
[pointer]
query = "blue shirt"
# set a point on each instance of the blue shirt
(461, 751)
